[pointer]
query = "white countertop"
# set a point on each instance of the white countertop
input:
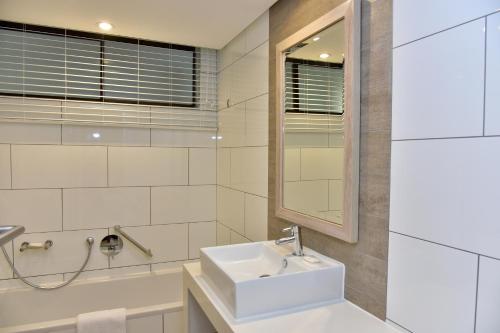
(343, 317)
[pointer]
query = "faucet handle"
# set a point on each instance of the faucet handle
(291, 229)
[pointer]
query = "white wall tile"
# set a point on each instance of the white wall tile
(36, 210)
(249, 170)
(438, 85)
(4, 166)
(492, 116)
(87, 208)
(255, 218)
(442, 190)
(234, 50)
(306, 140)
(488, 301)
(335, 194)
(223, 87)
(236, 238)
(292, 164)
(44, 280)
(232, 126)
(224, 166)
(256, 121)
(431, 288)
(439, 15)
(202, 166)
(230, 208)
(167, 243)
(257, 32)
(100, 135)
(41, 166)
(173, 322)
(201, 234)
(5, 270)
(306, 196)
(149, 324)
(110, 273)
(140, 166)
(250, 76)
(174, 204)
(66, 255)
(30, 133)
(182, 138)
(223, 235)
(321, 163)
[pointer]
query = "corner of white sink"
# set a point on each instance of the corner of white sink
(251, 280)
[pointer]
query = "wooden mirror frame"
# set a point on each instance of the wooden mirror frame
(348, 230)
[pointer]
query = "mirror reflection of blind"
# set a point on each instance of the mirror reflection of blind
(39, 62)
(314, 87)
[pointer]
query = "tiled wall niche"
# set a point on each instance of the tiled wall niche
(64, 184)
(242, 145)
(444, 251)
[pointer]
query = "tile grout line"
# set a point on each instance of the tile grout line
(477, 292)
(448, 138)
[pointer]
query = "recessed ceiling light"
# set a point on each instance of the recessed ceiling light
(315, 39)
(324, 55)
(106, 26)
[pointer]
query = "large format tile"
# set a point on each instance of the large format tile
(488, 301)
(255, 218)
(149, 324)
(87, 208)
(5, 270)
(176, 204)
(182, 138)
(431, 288)
(321, 163)
(66, 255)
(492, 99)
(439, 15)
(41, 166)
(25, 133)
(5, 166)
(167, 243)
(438, 85)
(257, 32)
(249, 170)
(201, 234)
(256, 121)
(232, 126)
(142, 166)
(202, 166)
(230, 208)
(223, 235)
(101, 135)
(224, 166)
(36, 210)
(173, 322)
(442, 190)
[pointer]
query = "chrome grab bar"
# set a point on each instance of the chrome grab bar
(36, 246)
(119, 230)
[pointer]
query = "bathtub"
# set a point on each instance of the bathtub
(153, 301)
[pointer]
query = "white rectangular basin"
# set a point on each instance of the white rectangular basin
(251, 279)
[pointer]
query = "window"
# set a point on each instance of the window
(57, 63)
(314, 87)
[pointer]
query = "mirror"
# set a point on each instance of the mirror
(318, 133)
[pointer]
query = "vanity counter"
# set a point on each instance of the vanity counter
(203, 309)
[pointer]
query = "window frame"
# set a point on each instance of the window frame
(102, 38)
(295, 83)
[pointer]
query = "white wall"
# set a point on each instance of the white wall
(444, 249)
(63, 184)
(242, 148)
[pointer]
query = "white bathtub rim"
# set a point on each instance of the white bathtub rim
(69, 323)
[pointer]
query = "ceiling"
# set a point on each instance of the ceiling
(205, 23)
(331, 41)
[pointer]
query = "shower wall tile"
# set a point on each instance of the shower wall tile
(249, 170)
(30, 133)
(88, 208)
(257, 32)
(145, 166)
(182, 138)
(492, 97)
(488, 298)
(66, 255)
(202, 166)
(201, 234)
(232, 126)
(5, 166)
(256, 128)
(167, 243)
(100, 135)
(51, 166)
(230, 208)
(5, 270)
(255, 217)
(177, 204)
(37, 210)
(150, 324)
(223, 235)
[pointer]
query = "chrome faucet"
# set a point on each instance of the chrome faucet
(294, 238)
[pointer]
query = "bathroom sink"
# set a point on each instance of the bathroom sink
(260, 278)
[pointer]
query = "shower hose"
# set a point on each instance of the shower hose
(90, 243)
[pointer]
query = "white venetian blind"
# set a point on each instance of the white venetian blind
(61, 76)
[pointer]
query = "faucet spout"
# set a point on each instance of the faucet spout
(294, 238)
